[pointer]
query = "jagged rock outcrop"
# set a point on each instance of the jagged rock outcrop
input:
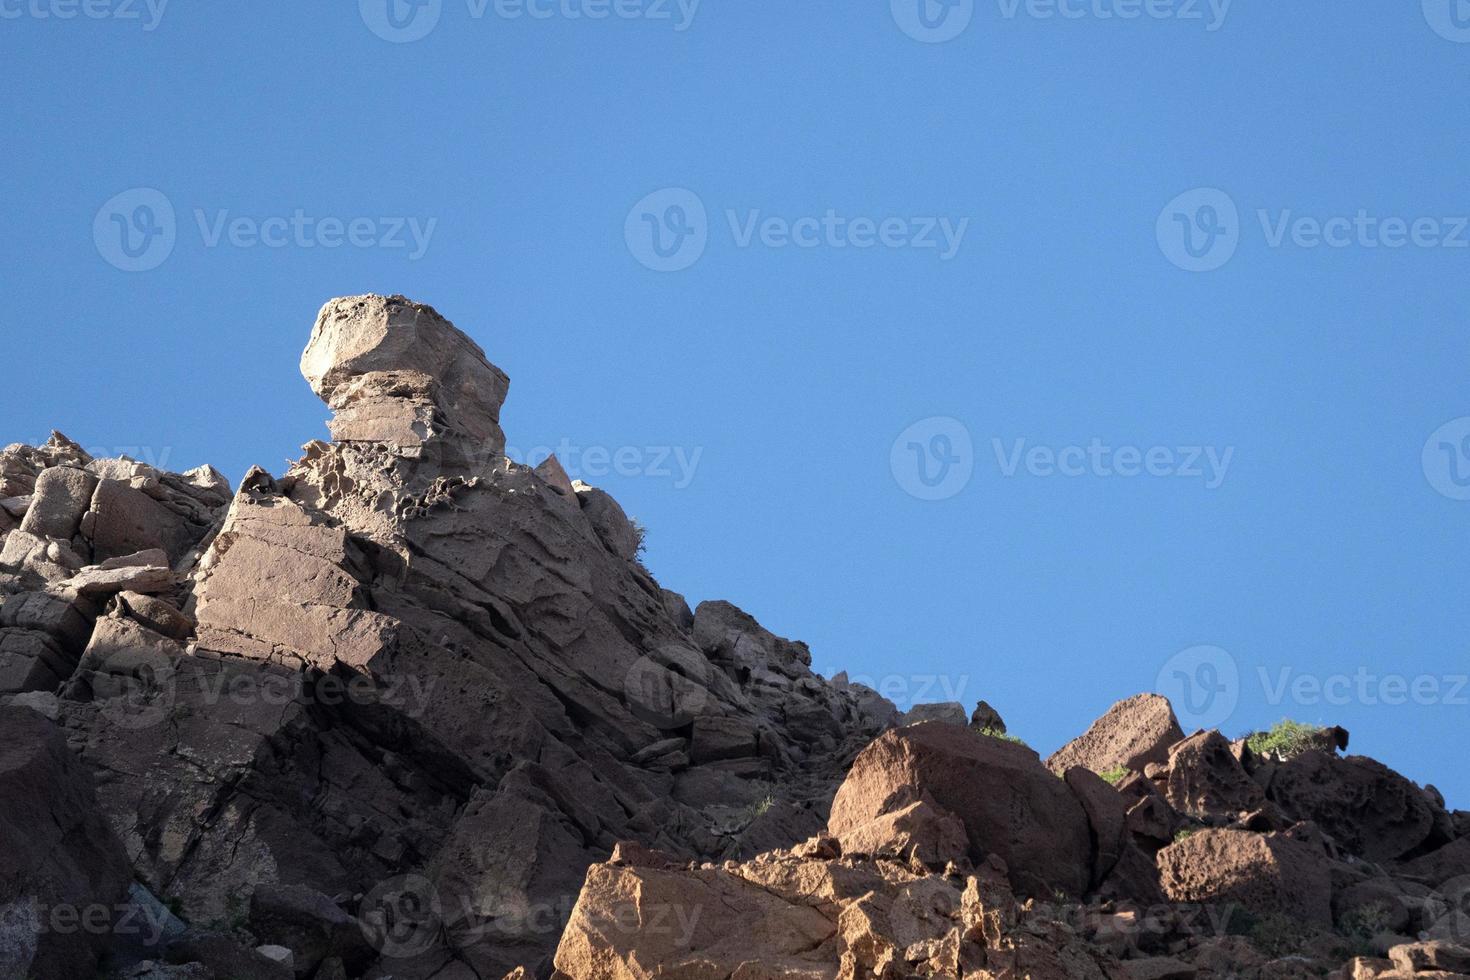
(409, 708)
(407, 669)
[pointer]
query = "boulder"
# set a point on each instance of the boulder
(1265, 874)
(1369, 809)
(612, 525)
(1132, 733)
(1010, 805)
(63, 874)
(1206, 781)
(61, 497)
(1107, 816)
(1421, 957)
(1439, 866)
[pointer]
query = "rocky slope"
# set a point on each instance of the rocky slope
(411, 710)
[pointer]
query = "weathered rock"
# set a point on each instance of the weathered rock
(1266, 874)
(307, 924)
(62, 872)
(949, 712)
(1439, 866)
(1420, 957)
(62, 495)
(1107, 817)
(395, 372)
(1010, 804)
(1132, 733)
(1369, 809)
(1206, 781)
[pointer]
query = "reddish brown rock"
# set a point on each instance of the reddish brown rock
(1206, 780)
(1132, 733)
(1010, 805)
(1266, 874)
(1369, 809)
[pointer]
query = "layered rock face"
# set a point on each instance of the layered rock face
(411, 710)
(406, 673)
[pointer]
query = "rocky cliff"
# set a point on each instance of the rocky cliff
(412, 710)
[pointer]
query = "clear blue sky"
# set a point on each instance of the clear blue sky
(1325, 547)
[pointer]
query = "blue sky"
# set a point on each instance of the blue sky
(970, 415)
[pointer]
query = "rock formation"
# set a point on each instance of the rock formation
(412, 710)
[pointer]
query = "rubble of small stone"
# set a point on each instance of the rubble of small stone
(413, 711)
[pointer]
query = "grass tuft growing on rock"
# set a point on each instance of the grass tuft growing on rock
(1286, 738)
(1003, 736)
(1116, 774)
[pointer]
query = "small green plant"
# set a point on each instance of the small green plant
(1286, 738)
(1360, 925)
(1003, 736)
(642, 533)
(1185, 833)
(1279, 935)
(1116, 774)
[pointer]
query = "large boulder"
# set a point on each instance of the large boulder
(1133, 733)
(1369, 809)
(1010, 805)
(1268, 875)
(63, 875)
(1206, 781)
